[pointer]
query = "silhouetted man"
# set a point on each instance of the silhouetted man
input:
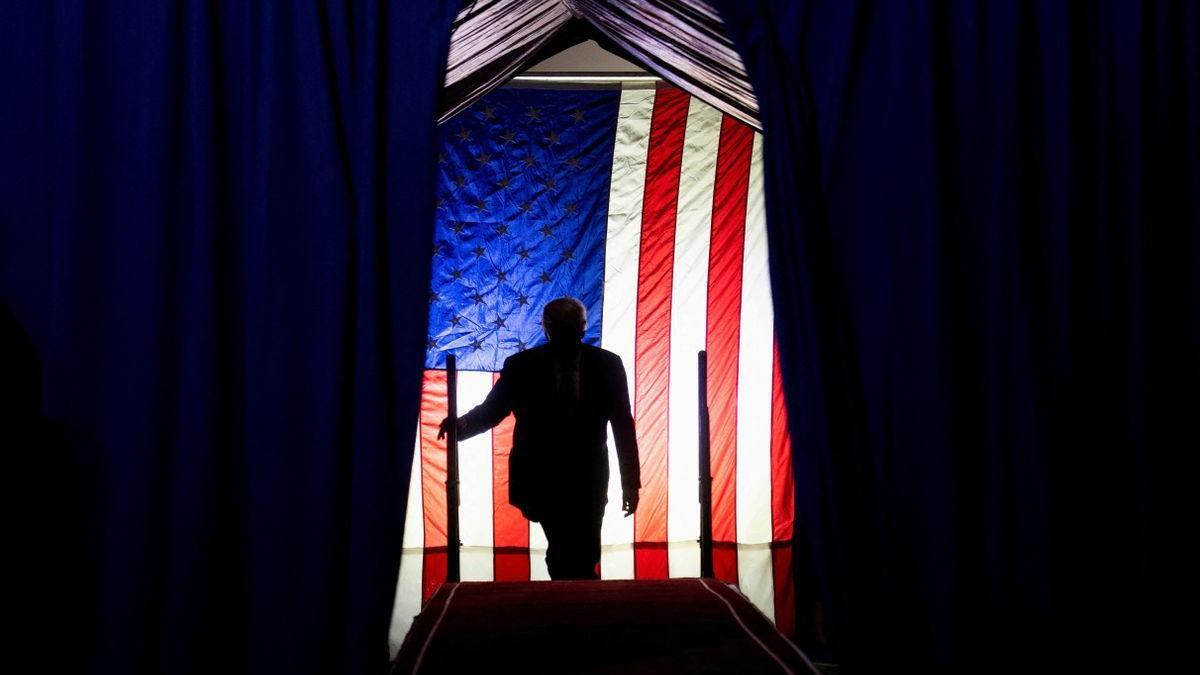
(563, 395)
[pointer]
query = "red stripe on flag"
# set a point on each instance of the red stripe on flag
(510, 529)
(782, 505)
(433, 481)
(664, 159)
(782, 500)
(785, 591)
(433, 571)
(725, 561)
(723, 332)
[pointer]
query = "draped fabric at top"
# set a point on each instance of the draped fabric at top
(217, 220)
(683, 41)
(492, 41)
(984, 231)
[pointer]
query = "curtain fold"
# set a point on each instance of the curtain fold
(984, 232)
(491, 42)
(216, 233)
(685, 42)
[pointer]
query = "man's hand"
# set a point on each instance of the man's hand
(444, 428)
(629, 502)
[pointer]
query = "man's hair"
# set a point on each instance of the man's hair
(564, 319)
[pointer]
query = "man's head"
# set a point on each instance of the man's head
(564, 320)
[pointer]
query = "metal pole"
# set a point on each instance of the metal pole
(706, 542)
(453, 544)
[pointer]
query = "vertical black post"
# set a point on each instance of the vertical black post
(706, 542)
(453, 544)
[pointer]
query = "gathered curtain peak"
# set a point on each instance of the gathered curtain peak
(684, 41)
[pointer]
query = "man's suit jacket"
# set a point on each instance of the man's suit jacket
(559, 457)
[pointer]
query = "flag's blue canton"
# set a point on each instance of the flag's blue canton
(523, 181)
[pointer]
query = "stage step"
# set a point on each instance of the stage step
(668, 626)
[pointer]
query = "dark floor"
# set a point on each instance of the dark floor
(669, 626)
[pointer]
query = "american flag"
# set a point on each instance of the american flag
(647, 205)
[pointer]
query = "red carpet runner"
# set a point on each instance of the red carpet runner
(668, 626)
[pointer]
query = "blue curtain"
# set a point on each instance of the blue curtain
(217, 225)
(985, 253)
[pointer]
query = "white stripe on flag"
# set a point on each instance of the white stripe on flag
(689, 310)
(621, 249)
(407, 603)
(475, 483)
(414, 516)
(537, 553)
(755, 371)
(756, 577)
(408, 598)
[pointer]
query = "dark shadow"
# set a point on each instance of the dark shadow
(49, 506)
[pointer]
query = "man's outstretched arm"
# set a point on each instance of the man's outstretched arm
(625, 438)
(486, 415)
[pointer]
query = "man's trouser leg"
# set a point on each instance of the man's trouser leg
(573, 542)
